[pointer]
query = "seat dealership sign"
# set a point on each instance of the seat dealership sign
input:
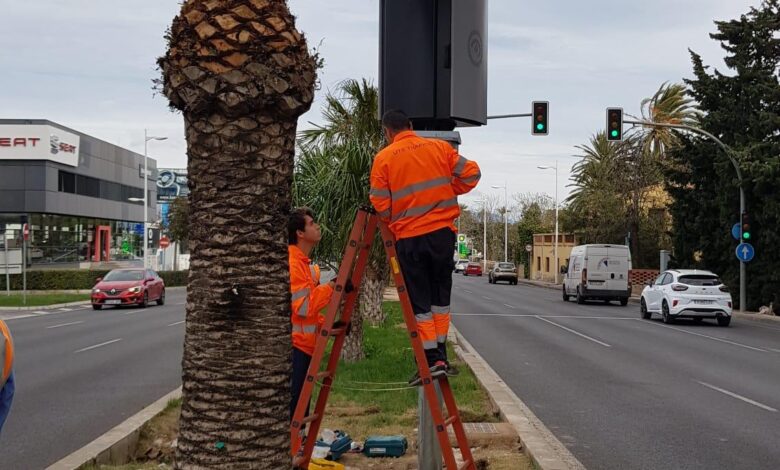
(39, 142)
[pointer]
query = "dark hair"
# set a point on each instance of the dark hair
(297, 221)
(396, 120)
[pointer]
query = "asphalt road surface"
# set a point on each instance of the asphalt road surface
(625, 393)
(80, 372)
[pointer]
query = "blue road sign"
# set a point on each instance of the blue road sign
(745, 252)
(736, 231)
(138, 229)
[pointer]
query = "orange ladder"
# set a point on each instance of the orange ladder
(352, 267)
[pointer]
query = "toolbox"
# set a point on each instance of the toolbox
(385, 446)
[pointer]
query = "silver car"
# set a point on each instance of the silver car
(503, 272)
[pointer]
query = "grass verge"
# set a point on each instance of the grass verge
(40, 300)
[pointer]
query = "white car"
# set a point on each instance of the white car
(460, 265)
(687, 293)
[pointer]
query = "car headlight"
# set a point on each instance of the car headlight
(95, 291)
(134, 290)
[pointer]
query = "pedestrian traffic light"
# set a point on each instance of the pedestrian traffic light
(540, 114)
(615, 124)
(746, 233)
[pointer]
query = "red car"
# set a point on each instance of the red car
(128, 287)
(473, 269)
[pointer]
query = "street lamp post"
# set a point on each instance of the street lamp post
(506, 205)
(555, 249)
(147, 138)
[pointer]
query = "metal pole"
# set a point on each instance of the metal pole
(506, 208)
(507, 116)
(24, 266)
(556, 223)
(7, 274)
(146, 203)
(484, 236)
(742, 206)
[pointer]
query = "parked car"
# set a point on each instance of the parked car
(687, 293)
(598, 272)
(473, 269)
(460, 265)
(128, 287)
(503, 272)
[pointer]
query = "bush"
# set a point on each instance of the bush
(71, 279)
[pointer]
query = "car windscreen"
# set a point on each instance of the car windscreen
(124, 276)
(506, 266)
(699, 280)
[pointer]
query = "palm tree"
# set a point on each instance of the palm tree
(669, 105)
(241, 74)
(332, 176)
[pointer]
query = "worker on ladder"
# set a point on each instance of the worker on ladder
(309, 297)
(414, 187)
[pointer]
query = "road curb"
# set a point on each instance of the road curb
(116, 446)
(69, 304)
(539, 444)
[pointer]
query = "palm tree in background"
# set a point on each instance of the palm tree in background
(332, 177)
(241, 74)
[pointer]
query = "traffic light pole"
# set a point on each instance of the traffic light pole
(742, 208)
(508, 116)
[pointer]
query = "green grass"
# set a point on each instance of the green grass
(389, 364)
(39, 300)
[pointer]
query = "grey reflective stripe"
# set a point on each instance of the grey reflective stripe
(421, 186)
(300, 293)
(313, 274)
(304, 328)
(304, 308)
(384, 214)
(441, 338)
(471, 179)
(460, 165)
(420, 210)
(440, 308)
(423, 316)
(430, 345)
(377, 192)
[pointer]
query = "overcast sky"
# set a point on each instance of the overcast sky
(89, 65)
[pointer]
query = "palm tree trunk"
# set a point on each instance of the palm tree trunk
(377, 277)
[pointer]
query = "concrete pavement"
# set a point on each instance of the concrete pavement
(87, 370)
(625, 393)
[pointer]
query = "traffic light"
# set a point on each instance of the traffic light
(615, 124)
(540, 113)
(746, 233)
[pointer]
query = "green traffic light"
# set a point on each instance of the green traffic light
(540, 127)
(746, 235)
(614, 133)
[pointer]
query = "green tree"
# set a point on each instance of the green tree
(178, 226)
(742, 108)
(332, 177)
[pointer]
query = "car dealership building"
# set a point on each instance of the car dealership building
(81, 196)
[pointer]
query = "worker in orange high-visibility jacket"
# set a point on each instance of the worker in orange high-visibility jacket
(414, 187)
(309, 297)
(7, 386)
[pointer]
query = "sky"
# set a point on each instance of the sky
(89, 65)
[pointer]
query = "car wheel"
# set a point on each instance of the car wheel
(565, 295)
(667, 318)
(514, 283)
(606, 301)
(161, 300)
(96, 307)
(580, 298)
(624, 301)
(643, 310)
(724, 321)
(464, 273)
(145, 300)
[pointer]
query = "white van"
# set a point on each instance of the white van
(598, 272)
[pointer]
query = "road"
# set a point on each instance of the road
(81, 372)
(624, 393)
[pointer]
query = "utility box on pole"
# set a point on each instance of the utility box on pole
(433, 61)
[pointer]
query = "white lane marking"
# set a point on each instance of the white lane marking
(510, 306)
(98, 345)
(177, 323)
(65, 309)
(532, 315)
(487, 298)
(738, 397)
(575, 332)
(41, 312)
(774, 350)
(704, 336)
(64, 324)
(467, 291)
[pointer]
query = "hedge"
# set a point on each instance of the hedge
(67, 279)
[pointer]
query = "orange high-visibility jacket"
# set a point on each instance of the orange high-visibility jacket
(415, 183)
(6, 353)
(308, 298)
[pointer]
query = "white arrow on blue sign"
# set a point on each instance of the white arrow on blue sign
(745, 252)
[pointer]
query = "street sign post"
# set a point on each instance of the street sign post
(165, 242)
(745, 252)
(529, 248)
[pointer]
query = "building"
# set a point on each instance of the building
(543, 255)
(82, 197)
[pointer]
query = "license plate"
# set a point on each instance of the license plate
(113, 302)
(702, 302)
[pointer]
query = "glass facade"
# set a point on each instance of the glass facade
(58, 239)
